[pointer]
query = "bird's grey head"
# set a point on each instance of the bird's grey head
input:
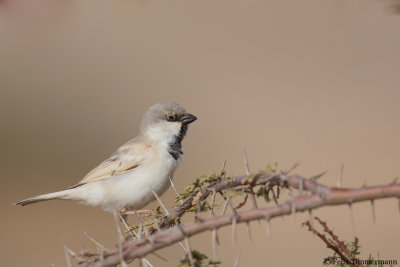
(166, 123)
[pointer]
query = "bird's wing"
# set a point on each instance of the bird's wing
(128, 157)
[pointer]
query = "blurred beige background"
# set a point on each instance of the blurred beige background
(311, 81)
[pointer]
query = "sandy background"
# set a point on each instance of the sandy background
(311, 81)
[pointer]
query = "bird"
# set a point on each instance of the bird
(139, 170)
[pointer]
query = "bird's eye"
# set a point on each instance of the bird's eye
(171, 118)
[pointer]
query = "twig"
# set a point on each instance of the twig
(339, 243)
(327, 242)
(335, 244)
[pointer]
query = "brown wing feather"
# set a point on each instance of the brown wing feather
(126, 158)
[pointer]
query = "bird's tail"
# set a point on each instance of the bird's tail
(55, 195)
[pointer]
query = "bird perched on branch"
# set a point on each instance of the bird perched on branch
(139, 169)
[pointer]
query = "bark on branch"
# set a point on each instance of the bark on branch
(319, 196)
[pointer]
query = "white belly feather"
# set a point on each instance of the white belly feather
(131, 189)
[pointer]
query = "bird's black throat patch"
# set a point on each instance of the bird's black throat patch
(175, 148)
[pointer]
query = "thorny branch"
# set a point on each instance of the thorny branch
(334, 243)
(168, 230)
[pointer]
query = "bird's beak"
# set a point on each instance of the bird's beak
(188, 118)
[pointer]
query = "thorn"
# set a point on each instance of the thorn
(73, 254)
(246, 162)
(340, 181)
(352, 218)
(83, 248)
(148, 263)
(123, 263)
(214, 238)
(236, 260)
(67, 256)
(176, 191)
(310, 218)
(198, 213)
(212, 202)
(127, 227)
(249, 230)
(231, 206)
(183, 246)
(301, 186)
(253, 198)
(95, 241)
(274, 197)
(373, 211)
(189, 251)
(159, 201)
(394, 181)
(268, 227)
(225, 206)
(140, 229)
(223, 165)
(147, 235)
(316, 177)
(297, 164)
(293, 214)
(159, 256)
(120, 240)
(102, 254)
(234, 221)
